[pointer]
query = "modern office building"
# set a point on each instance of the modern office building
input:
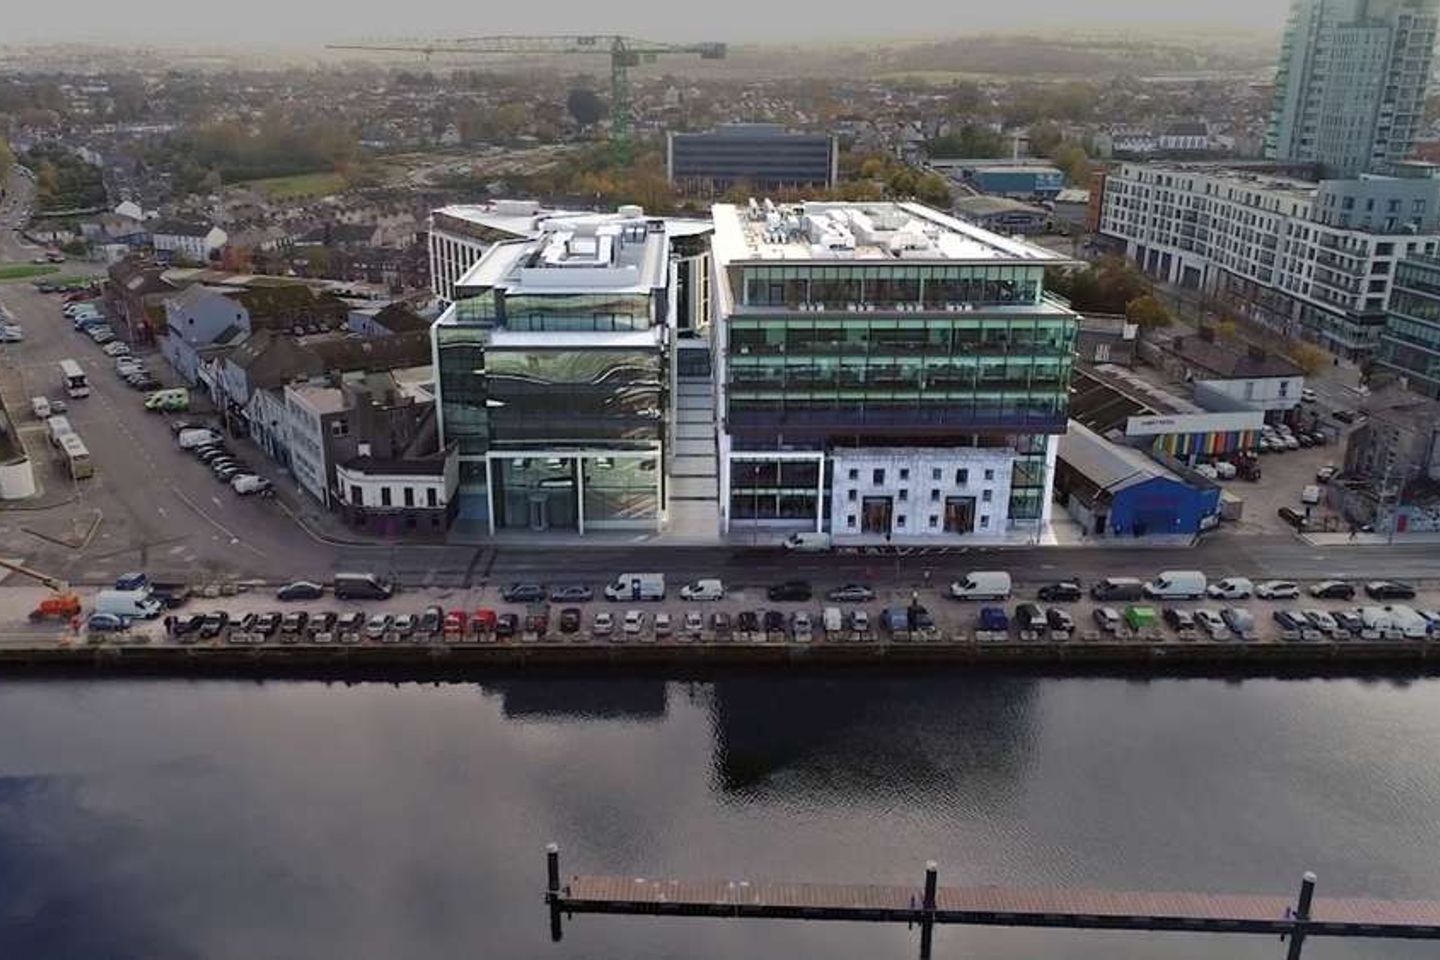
(884, 371)
(1410, 342)
(555, 371)
(1350, 83)
(760, 156)
(1307, 259)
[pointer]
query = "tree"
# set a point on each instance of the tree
(7, 158)
(934, 190)
(1073, 161)
(1147, 312)
(585, 106)
(1308, 357)
(1044, 139)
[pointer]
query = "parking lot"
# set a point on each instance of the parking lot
(751, 616)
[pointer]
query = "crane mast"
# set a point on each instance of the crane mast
(624, 52)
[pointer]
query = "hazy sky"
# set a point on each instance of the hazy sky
(287, 22)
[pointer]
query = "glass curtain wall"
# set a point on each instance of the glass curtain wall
(575, 396)
(621, 491)
(934, 287)
(463, 409)
(774, 490)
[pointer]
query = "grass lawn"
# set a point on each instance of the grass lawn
(300, 185)
(24, 271)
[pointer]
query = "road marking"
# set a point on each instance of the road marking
(180, 495)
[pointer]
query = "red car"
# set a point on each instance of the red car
(485, 620)
(455, 622)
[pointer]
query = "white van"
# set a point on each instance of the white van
(1177, 585)
(58, 426)
(982, 585)
(129, 604)
(1232, 588)
(190, 439)
(834, 623)
(808, 542)
(1411, 625)
(636, 586)
(40, 406)
(705, 589)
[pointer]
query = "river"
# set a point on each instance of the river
(231, 819)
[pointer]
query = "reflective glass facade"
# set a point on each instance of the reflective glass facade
(1410, 344)
(574, 397)
(929, 286)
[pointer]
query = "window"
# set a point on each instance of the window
(409, 496)
(934, 496)
(430, 498)
(384, 496)
(904, 495)
(935, 474)
(962, 477)
(854, 473)
(339, 428)
(357, 496)
(986, 495)
(850, 496)
(984, 520)
(1284, 388)
(900, 521)
(904, 473)
(934, 521)
(878, 477)
(989, 474)
(850, 521)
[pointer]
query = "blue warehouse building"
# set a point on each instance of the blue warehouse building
(1113, 490)
(1019, 182)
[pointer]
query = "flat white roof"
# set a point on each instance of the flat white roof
(870, 233)
(525, 218)
(585, 255)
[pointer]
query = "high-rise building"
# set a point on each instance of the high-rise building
(554, 368)
(1410, 343)
(884, 371)
(1350, 84)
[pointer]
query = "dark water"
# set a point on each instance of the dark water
(238, 820)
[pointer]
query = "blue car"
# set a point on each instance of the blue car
(107, 623)
(994, 619)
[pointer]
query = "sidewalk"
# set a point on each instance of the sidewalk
(1321, 539)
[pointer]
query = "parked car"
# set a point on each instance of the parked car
(266, 623)
(570, 620)
(1292, 516)
(378, 625)
(1178, 619)
(706, 588)
(774, 621)
(1310, 495)
(523, 593)
(860, 622)
(603, 624)
(107, 623)
(747, 621)
(1211, 622)
(634, 622)
(1231, 588)
(431, 619)
(1059, 621)
(790, 590)
(571, 593)
(1277, 590)
(1029, 617)
(1322, 620)
(694, 622)
(246, 484)
(1240, 621)
(351, 622)
(1290, 621)
(322, 622)
(1065, 591)
(214, 623)
(1348, 621)
(1389, 590)
(1107, 619)
(300, 590)
(1332, 590)
(852, 593)
(720, 624)
(293, 622)
(1326, 473)
(506, 624)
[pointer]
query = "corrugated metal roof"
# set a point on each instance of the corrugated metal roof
(1109, 466)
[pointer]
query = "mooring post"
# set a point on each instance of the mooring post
(552, 889)
(927, 920)
(1302, 914)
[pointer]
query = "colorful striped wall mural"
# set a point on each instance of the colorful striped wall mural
(1183, 445)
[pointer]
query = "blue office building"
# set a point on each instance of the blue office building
(1021, 182)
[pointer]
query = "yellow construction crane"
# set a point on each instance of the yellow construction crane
(625, 52)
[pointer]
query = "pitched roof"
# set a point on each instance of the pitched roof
(1110, 466)
(1228, 363)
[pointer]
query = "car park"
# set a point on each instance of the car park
(1277, 590)
(1065, 591)
(1107, 619)
(1332, 590)
(300, 590)
(523, 593)
(790, 590)
(571, 593)
(1231, 588)
(1389, 590)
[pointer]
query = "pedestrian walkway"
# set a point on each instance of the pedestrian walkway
(1342, 539)
(694, 464)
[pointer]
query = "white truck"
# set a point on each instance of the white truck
(982, 585)
(636, 586)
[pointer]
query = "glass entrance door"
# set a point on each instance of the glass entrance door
(539, 512)
(875, 515)
(959, 514)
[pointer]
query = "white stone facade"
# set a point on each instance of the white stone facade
(926, 492)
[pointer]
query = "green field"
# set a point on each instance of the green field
(24, 271)
(300, 185)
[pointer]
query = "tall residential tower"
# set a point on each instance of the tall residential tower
(1350, 84)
